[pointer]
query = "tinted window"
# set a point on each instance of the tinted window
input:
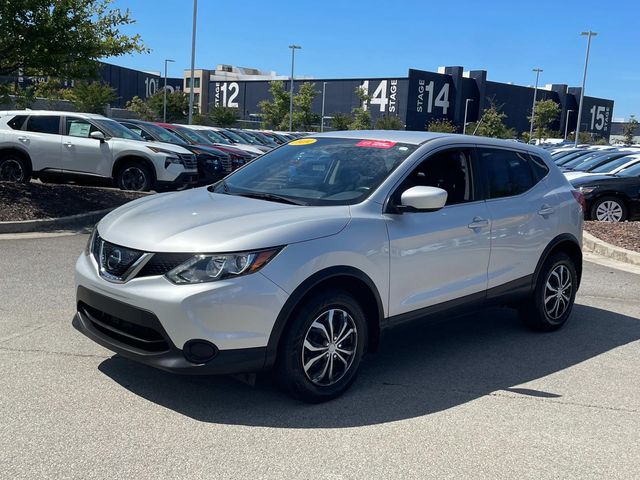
(449, 170)
(540, 168)
(78, 127)
(632, 171)
(17, 122)
(611, 166)
(508, 172)
(138, 130)
(44, 124)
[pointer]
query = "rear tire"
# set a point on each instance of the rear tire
(14, 168)
(609, 209)
(550, 305)
(321, 350)
(135, 176)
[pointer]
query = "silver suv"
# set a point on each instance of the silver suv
(46, 145)
(300, 259)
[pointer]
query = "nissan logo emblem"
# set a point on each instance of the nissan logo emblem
(114, 259)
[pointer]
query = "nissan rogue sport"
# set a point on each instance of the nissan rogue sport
(300, 259)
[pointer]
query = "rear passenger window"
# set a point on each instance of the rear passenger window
(17, 122)
(44, 124)
(508, 173)
(540, 168)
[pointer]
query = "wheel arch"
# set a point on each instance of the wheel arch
(19, 152)
(346, 278)
(566, 243)
(134, 159)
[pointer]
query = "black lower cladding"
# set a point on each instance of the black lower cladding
(137, 334)
(181, 180)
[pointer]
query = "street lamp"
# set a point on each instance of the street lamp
(324, 91)
(588, 34)
(566, 124)
(293, 48)
(535, 94)
(164, 100)
(193, 59)
(466, 108)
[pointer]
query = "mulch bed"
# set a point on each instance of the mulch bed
(34, 201)
(623, 234)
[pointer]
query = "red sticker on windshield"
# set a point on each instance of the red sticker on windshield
(375, 144)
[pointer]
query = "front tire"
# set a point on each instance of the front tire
(609, 209)
(550, 305)
(134, 176)
(321, 351)
(14, 168)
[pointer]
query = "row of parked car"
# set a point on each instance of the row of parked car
(133, 154)
(607, 176)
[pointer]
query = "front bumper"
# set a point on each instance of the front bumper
(182, 180)
(152, 321)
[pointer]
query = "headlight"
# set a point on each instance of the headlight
(586, 190)
(209, 268)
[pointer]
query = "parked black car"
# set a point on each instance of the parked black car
(611, 198)
(212, 162)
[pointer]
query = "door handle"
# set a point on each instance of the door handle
(69, 145)
(478, 222)
(546, 210)
(23, 139)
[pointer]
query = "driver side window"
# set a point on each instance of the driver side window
(449, 170)
(77, 127)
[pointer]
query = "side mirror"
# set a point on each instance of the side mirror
(97, 136)
(423, 199)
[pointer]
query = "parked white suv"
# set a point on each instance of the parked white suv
(300, 259)
(49, 144)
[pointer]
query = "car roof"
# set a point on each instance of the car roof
(50, 112)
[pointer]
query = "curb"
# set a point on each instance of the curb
(81, 220)
(595, 245)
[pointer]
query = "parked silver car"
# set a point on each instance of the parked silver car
(300, 259)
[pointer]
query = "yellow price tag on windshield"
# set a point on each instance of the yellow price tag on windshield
(303, 141)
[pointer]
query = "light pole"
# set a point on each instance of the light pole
(293, 48)
(589, 34)
(324, 90)
(566, 124)
(193, 59)
(466, 109)
(535, 94)
(164, 100)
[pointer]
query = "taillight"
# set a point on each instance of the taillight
(580, 199)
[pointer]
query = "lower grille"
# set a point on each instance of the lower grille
(137, 336)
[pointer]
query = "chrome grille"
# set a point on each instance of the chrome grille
(189, 160)
(117, 263)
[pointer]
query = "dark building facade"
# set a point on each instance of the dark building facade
(422, 97)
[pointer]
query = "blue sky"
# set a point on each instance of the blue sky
(350, 38)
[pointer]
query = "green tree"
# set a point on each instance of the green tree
(341, 121)
(153, 107)
(389, 122)
(303, 116)
(22, 97)
(546, 112)
(90, 97)
(51, 89)
(141, 108)
(361, 116)
(442, 125)
(629, 129)
(62, 38)
(275, 112)
(491, 124)
(223, 116)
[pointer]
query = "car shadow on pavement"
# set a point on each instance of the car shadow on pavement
(420, 369)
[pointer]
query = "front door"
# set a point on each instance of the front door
(443, 255)
(83, 154)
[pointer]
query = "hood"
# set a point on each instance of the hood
(588, 179)
(207, 149)
(170, 147)
(200, 221)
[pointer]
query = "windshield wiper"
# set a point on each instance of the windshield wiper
(270, 197)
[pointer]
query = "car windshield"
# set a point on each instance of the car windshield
(247, 138)
(214, 136)
(318, 171)
(631, 171)
(192, 135)
(164, 135)
(114, 129)
(234, 136)
(611, 166)
(590, 162)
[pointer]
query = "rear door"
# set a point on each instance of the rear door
(83, 154)
(522, 211)
(41, 138)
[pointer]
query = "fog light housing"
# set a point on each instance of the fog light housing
(199, 351)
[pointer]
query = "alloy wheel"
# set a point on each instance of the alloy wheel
(133, 178)
(557, 292)
(329, 347)
(11, 171)
(609, 211)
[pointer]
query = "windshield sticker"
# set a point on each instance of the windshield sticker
(303, 141)
(375, 144)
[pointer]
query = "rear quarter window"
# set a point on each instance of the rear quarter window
(17, 122)
(539, 167)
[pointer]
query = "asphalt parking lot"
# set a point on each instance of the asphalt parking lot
(480, 397)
